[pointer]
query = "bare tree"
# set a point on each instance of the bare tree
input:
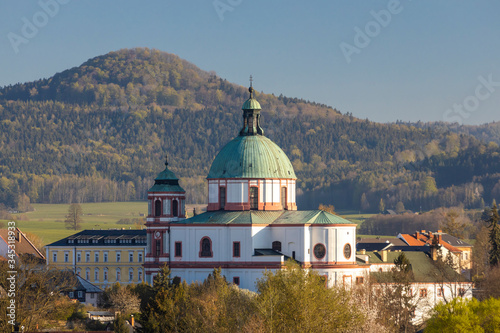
(74, 217)
(38, 292)
(121, 299)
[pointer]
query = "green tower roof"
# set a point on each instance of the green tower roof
(166, 181)
(251, 104)
(251, 156)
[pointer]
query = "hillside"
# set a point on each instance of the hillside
(100, 131)
(489, 132)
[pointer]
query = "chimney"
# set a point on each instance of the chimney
(434, 250)
(384, 255)
(18, 235)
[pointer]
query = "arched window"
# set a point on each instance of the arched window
(78, 271)
(105, 274)
(130, 274)
(206, 248)
(158, 207)
(222, 197)
(283, 197)
(175, 208)
(96, 275)
(139, 275)
(277, 246)
(118, 274)
(254, 198)
(87, 274)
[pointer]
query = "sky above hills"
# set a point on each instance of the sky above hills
(381, 60)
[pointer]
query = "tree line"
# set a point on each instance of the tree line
(99, 132)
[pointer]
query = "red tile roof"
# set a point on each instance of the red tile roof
(412, 241)
(423, 237)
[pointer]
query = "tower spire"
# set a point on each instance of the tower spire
(166, 159)
(251, 114)
(250, 89)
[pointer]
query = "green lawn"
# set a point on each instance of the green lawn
(47, 221)
(354, 216)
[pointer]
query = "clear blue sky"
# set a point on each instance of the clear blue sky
(428, 56)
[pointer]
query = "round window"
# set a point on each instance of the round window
(347, 251)
(319, 251)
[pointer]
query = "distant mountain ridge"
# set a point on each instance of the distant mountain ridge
(100, 131)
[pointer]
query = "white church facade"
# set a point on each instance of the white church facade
(252, 223)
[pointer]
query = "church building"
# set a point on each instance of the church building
(252, 223)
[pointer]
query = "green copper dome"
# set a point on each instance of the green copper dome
(166, 181)
(252, 156)
(251, 104)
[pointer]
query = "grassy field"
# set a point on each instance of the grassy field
(47, 220)
(354, 216)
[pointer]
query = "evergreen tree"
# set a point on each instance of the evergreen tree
(381, 206)
(400, 207)
(494, 226)
(119, 325)
(74, 217)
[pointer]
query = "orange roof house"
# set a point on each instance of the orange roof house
(461, 250)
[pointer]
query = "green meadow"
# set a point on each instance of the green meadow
(47, 220)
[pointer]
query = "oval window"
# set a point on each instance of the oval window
(319, 251)
(347, 251)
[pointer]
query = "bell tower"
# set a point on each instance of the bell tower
(166, 204)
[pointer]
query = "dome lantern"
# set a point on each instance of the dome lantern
(251, 115)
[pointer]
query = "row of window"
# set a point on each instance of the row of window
(118, 274)
(97, 257)
(80, 294)
(254, 197)
(109, 241)
(158, 207)
(206, 249)
(319, 249)
(422, 292)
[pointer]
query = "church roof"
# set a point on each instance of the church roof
(251, 104)
(282, 217)
(253, 156)
(166, 181)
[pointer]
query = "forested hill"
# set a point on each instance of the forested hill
(489, 132)
(100, 131)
